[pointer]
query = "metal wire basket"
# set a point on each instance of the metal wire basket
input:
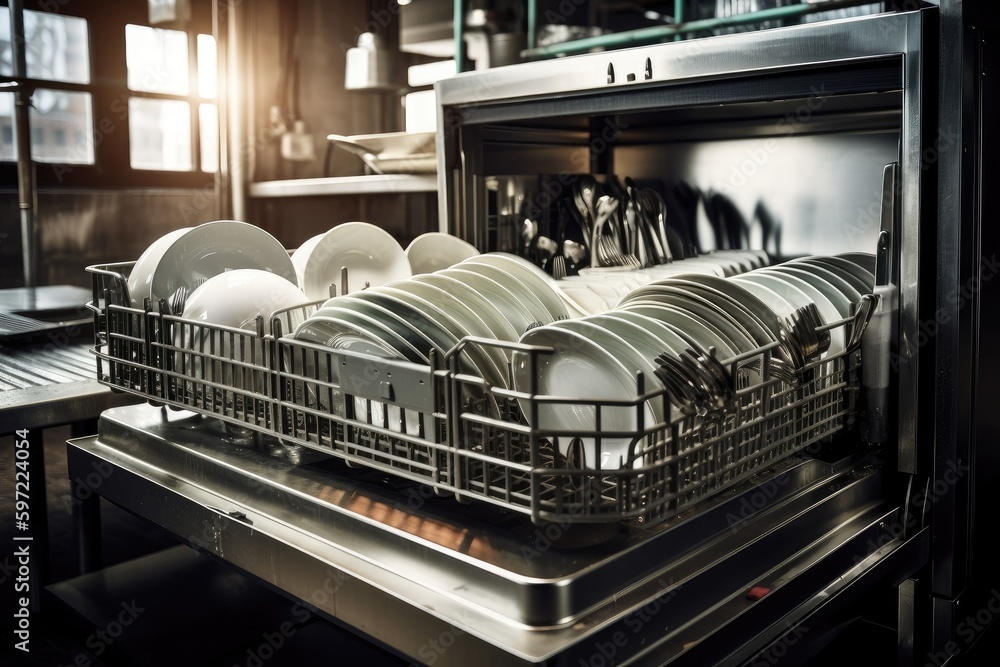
(439, 426)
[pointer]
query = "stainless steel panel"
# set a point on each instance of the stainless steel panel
(712, 57)
(408, 568)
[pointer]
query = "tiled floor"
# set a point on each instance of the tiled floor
(191, 624)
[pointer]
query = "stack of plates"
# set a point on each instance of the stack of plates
(497, 296)
(596, 290)
(597, 357)
(178, 262)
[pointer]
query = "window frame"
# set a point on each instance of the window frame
(109, 93)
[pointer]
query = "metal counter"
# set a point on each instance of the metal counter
(450, 584)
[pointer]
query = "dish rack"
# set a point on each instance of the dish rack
(454, 433)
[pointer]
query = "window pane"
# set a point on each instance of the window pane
(55, 116)
(208, 123)
(206, 66)
(8, 151)
(157, 60)
(58, 46)
(159, 133)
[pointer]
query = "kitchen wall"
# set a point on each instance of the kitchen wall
(326, 31)
(79, 227)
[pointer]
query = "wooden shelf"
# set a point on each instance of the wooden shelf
(346, 185)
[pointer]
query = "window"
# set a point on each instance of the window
(160, 127)
(58, 51)
(58, 47)
(116, 100)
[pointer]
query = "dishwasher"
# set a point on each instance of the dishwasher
(745, 536)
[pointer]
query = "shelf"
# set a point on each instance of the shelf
(346, 185)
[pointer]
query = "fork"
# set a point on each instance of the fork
(558, 267)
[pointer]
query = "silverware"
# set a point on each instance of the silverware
(558, 267)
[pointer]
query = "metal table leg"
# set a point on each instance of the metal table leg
(86, 512)
(86, 527)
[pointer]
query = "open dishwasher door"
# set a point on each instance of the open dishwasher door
(811, 140)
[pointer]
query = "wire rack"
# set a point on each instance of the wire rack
(438, 425)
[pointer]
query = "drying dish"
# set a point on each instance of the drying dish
(434, 251)
(211, 249)
(369, 253)
(140, 279)
(392, 152)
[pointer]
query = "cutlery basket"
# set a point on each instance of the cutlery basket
(455, 433)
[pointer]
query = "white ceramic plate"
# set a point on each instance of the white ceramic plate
(213, 248)
(351, 334)
(800, 293)
(865, 260)
(518, 315)
(468, 324)
(371, 255)
(527, 298)
(434, 251)
(862, 281)
(491, 315)
(846, 288)
(235, 299)
(140, 279)
(366, 316)
(580, 367)
(588, 299)
(526, 278)
(778, 304)
(700, 332)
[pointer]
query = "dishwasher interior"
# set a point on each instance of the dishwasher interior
(467, 538)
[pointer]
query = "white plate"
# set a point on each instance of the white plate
(488, 364)
(824, 273)
(778, 304)
(236, 298)
(468, 324)
(349, 332)
(862, 281)
(702, 333)
(213, 248)
(416, 344)
(500, 327)
(513, 310)
(366, 316)
(588, 299)
(697, 321)
(800, 293)
(581, 368)
(434, 251)
(527, 277)
(526, 298)
(140, 280)
(371, 255)
(865, 260)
